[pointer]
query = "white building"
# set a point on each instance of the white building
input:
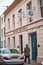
(2, 31)
(21, 29)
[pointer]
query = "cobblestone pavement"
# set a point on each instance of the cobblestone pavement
(32, 63)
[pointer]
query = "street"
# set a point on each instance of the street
(32, 63)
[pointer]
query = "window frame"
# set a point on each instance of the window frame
(29, 7)
(9, 42)
(13, 18)
(41, 8)
(8, 23)
(20, 17)
(14, 41)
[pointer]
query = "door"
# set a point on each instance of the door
(21, 43)
(34, 45)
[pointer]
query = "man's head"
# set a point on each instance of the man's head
(26, 45)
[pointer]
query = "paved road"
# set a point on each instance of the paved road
(32, 63)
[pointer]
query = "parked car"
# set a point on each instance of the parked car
(11, 57)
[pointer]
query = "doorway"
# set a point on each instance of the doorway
(34, 45)
(21, 43)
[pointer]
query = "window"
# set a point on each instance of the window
(0, 51)
(9, 23)
(41, 7)
(20, 16)
(29, 7)
(9, 42)
(14, 41)
(6, 51)
(13, 20)
(4, 31)
(1, 20)
(20, 21)
(14, 51)
(2, 43)
(1, 33)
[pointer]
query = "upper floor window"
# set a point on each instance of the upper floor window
(13, 20)
(4, 31)
(1, 33)
(29, 9)
(29, 5)
(1, 20)
(20, 17)
(9, 42)
(9, 23)
(41, 7)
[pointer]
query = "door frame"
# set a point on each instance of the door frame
(31, 44)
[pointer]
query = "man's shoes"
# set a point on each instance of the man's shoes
(29, 62)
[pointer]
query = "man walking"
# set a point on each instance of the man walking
(27, 53)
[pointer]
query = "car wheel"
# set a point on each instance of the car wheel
(0, 64)
(22, 64)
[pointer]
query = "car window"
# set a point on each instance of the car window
(0, 51)
(14, 51)
(6, 51)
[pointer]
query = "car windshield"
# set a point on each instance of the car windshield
(6, 51)
(14, 51)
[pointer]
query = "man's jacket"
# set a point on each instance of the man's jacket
(27, 51)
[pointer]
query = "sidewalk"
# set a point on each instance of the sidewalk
(32, 63)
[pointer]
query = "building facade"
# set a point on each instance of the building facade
(24, 25)
(2, 31)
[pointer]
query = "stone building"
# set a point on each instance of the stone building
(24, 25)
(3, 31)
(0, 31)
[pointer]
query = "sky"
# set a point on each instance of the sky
(3, 4)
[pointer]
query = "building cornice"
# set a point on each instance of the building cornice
(11, 7)
(27, 27)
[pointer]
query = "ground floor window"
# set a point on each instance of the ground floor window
(9, 42)
(14, 42)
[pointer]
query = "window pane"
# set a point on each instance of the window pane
(8, 23)
(29, 5)
(41, 11)
(0, 51)
(41, 2)
(14, 51)
(6, 51)
(41, 7)
(14, 41)
(20, 21)
(9, 42)
(13, 20)
(20, 17)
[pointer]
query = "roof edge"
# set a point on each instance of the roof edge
(11, 6)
